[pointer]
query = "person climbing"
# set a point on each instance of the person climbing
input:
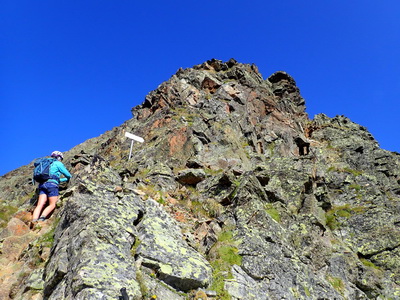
(48, 189)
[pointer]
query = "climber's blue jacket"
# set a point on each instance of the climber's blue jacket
(56, 169)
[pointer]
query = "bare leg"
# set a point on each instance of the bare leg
(41, 203)
(50, 207)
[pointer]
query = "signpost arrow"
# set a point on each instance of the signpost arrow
(133, 138)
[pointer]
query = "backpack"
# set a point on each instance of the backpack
(41, 173)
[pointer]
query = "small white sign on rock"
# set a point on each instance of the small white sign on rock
(133, 138)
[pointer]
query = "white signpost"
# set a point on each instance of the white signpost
(133, 138)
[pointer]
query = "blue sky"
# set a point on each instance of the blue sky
(71, 70)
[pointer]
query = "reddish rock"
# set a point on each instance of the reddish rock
(17, 227)
(177, 141)
(24, 216)
(210, 85)
(14, 245)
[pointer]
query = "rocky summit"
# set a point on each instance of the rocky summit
(235, 194)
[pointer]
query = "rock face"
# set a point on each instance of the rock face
(235, 194)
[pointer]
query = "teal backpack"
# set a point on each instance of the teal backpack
(41, 173)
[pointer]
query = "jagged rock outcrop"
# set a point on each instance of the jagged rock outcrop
(235, 194)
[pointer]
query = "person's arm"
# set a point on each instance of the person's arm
(65, 172)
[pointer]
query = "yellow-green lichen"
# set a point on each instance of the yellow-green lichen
(165, 269)
(307, 291)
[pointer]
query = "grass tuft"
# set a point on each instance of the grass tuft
(222, 257)
(273, 212)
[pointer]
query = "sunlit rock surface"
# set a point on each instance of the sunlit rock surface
(235, 194)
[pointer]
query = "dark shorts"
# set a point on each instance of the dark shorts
(48, 188)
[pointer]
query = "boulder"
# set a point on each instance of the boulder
(164, 250)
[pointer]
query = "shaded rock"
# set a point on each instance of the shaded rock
(191, 176)
(221, 187)
(207, 235)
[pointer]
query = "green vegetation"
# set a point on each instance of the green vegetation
(213, 172)
(196, 207)
(236, 183)
(271, 147)
(219, 275)
(355, 186)
(227, 80)
(184, 114)
(329, 146)
(208, 208)
(331, 221)
(337, 283)
(6, 212)
(142, 173)
(369, 263)
(45, 241)
(151, 191)
(222, 257)
(135, 246)
(233, 194)
(295, 292)
(273, 212)
(355, 173)
(245, 144)
(331, 169)
(213, 208)
(142, 284)
(139, 276)
(160, 199)
(336, 212)
(229, 254)
(307, 291)
(343, 211)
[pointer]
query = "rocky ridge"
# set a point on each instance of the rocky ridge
(235, 194)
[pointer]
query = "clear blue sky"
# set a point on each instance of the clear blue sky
(71, 70)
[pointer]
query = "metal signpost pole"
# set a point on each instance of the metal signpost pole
(133, 138)
(130, 153)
